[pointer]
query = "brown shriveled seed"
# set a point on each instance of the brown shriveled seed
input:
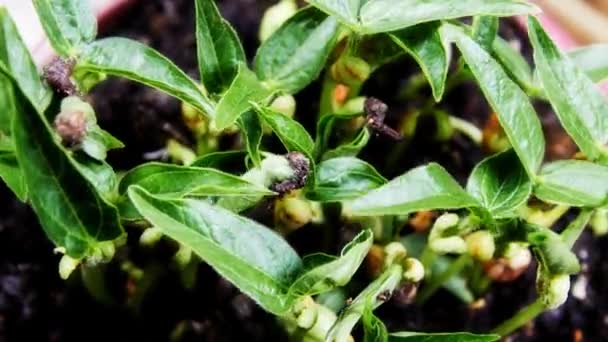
(301, 166)
(405, 294)
(71, 127)
(376, 113)
(58, 75)
(385, 296)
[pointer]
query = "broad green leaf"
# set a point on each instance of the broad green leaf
(573, 182)
(347, 11)
(7, 111)
(245, 89)
(177, 181)
(388, 281)
(296, 53)
(592, 61)
(513, 108)
(350, 149)
(18, 62)
(292, 134)
(68, 24)
(423, 188)
(256, 259)
(485, 31)
(552, 252)
(219, 50)
(390, 15)
(578, 103)
(424, 44)
(514, 63)
(99, 173)
(70, 210)
(500, 184)
(441, 337)
(344, 178)
(336, 271)
(252, 132)
(135, 61)
(11, 174)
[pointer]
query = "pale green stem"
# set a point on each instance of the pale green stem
(468, 129)
(520, 319)
(430, 288)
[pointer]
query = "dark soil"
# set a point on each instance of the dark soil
(35, 305)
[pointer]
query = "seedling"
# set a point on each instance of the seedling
(53, 155)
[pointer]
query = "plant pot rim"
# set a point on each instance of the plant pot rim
(107, 11)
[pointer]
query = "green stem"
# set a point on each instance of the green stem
(520, 319)
(576, 227)
(467, 129)
(438, 281)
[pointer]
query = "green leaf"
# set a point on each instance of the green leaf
(70, 210)
(388, 281)
(374, 329)
(7, 111)
(18, 62)
(514, 63)
(513, 108)
(336, 272)
(573, 182)
(296, 53)
(256, 259)
(500, 184)
(252, 132)
(423, 188)
(291, 133)
(135, 61)
(591, 59)
(350, 149)
(175, 181)
(389, 15)
(441, 337)
(578, 103)
(344, 178)
(99, 174)
(68, 24)
(98, 142)
(347, 11)
(485, 31)
(11, 175)
(552, 252)
(219, 50)
(245, 89)
(424, 44)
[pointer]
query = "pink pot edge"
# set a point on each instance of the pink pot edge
(43, 52)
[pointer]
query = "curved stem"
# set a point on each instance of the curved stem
(522, 317)
(437, 282)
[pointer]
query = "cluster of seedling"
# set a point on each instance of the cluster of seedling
(53, 156)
